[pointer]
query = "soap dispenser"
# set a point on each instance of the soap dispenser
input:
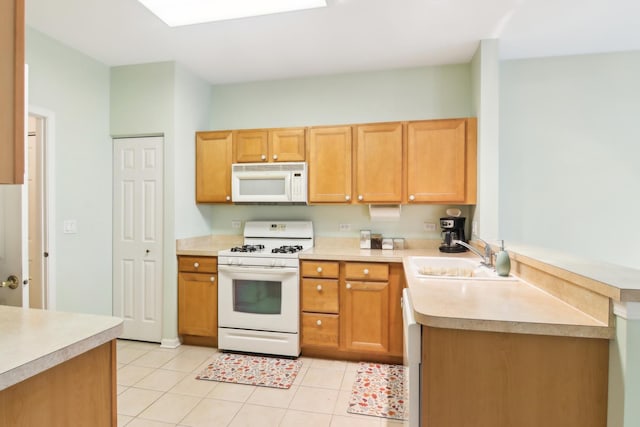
(503, 263)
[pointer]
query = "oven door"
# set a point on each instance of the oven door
(412, 332)
(258, 298)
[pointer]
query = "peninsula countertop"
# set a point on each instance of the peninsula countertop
(33, 340)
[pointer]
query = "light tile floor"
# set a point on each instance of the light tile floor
(157, 388)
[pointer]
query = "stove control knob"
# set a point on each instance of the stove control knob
(319, 288)
(274, 262)
(319, 269)
(281, 264)
(240, 262)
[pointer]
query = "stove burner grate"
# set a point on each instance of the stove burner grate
(247, 248)
(287, 249)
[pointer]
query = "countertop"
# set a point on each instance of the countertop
(32, 340)
(499, 306)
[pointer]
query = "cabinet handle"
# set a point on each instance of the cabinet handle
(365, 271)
(228, 198)
(263, 157)
(319, 269)
(347, 197)
(348, 286)
(196, 264)
(212, 279)
(360, 197)
(412, 197)
(319, 322)
(319, 288)
(275, 157)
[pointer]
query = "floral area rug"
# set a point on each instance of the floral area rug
(253, 370)
(379, 391)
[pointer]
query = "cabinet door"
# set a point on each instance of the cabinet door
(12, 120)
(287, 145)
(213, 167)
(365, 316)
(250, 146)
(439, 156)
(329, 155)
(378, 160)
(198, 304)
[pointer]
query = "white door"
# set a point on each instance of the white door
(137, 236)
(14, 259)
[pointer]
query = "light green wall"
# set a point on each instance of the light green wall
(486, 90)
(76, 89)
(569, 175)
(406, 94)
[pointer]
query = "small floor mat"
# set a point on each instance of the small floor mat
(252, 370)
(379, 391)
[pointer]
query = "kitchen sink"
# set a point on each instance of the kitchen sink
(452, 268)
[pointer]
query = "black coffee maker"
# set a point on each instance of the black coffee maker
(452, 229)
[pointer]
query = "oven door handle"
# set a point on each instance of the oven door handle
(257, 269)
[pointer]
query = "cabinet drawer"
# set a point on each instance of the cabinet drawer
(198, 264)
(327, 269)
(320, 329)
(367, 271)
(320, 295)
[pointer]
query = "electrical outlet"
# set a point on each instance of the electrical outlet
(345, 227)
(474, 227)
(429, 226)
(236, 223)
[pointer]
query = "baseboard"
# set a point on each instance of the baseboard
(170, 343)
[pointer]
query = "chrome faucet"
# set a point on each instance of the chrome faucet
(487, 256)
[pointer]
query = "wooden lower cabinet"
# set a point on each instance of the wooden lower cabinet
(198, 301)
(491, 379)
(352, 319)
(78, 392)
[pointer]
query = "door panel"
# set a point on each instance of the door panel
(137, 236)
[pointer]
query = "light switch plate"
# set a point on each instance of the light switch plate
(70, 226)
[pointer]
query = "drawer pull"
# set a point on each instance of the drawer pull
(275, 157)
(319, 269)
(212, 279)
(412, 197)
(263, 157)
(360, 197)
(365, 271)
(228, 198)
(347, 197)
(319, 288)
(319, 322)
(348, 286)
(196, 264)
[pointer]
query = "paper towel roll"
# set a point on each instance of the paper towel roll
(384, 212)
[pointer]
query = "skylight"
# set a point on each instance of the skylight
(186, 12)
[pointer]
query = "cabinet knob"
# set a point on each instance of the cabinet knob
(412, 197)
(196, 264)
(275, 157)
(348, 286)
(228, 198)
(365, 271)
(263, 157)
(347, 197)
(212, 279)
(319, 322)
(360, 197)
(319, 269)
(319, 288)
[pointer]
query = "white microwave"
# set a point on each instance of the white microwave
(269, 183)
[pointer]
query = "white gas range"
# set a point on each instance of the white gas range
(258, 289)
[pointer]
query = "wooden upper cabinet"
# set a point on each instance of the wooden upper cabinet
(378, 163)
(213, 167)
(287, 145)
(441, 161)
(329, 155)
(12, 92)
(269, 145)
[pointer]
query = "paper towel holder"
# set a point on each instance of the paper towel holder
(384, 212)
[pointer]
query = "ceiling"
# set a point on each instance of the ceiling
(347, 36)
